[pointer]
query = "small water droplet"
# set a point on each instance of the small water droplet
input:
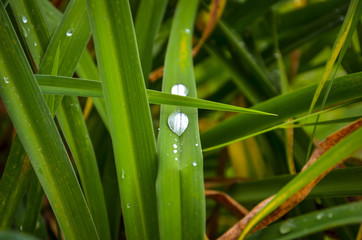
(69, 32)
(6, 79)
(178, 122)
(128, 205)
(25, 20)
(35, 44)
(21, 227)
(39, 149)
(176, 159)
(194, 164)
(175, 146)
(123, 174)
(319, 216)
(168, 204)
(341, 18)
(179, 89)
(187, 30)
(196, 144)
(330, 215)
(158, 129)
(276, 55)
(175, 151)
(287, 226)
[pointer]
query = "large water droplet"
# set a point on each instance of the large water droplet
(179, 89)
(69, 32)
(24, 19)
(287, 226)
(6, 79)
(178, 122)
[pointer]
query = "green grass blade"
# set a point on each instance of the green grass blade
(311, 223)
(286, 106)
(339, 183)
(71, 121)
(90, 88)
(128, 113)
(13, 184)
(180, 186)
(148, 20)
(342, 149)
(340, 46)
(41, 140)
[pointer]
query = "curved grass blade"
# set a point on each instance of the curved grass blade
(128, 113)
(282, 125)
(311, 223)
(180, 188)
(90, 88)
(340, 46)
(41, 140)
(342, 149)
(286, 106)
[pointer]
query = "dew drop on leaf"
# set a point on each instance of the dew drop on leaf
(24, 19)
(179, 89)
(178, 122)
(69, 33)
(194, 164)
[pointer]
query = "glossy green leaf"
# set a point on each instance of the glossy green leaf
(180, 183)
(16, 236)
(128, 113)
(91, 88)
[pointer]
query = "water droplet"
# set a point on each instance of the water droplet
(168, 204)
(287, 226)
(123, 174)
(175, 146)
(179, 89)
(128, 205)
(330, 215)
(6, 79)
(175, 151)
(69, 32)
(25, 20)
(276, 55)
(178, 122)
(35, 44)
(176, 159)
(21, 227)
(341, 18)
(319, 216)
(187, 31)
(39, 149)
(194, 164)
(158, 129)
(196, 144)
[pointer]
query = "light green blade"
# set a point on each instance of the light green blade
(91, 88)
(180, 183)
(128, 113)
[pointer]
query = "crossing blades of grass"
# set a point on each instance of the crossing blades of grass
(338, 152)
(286, 106)
(180, 188)
(41, 140)
(310, 223)
(90, 88)
(128, 113)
